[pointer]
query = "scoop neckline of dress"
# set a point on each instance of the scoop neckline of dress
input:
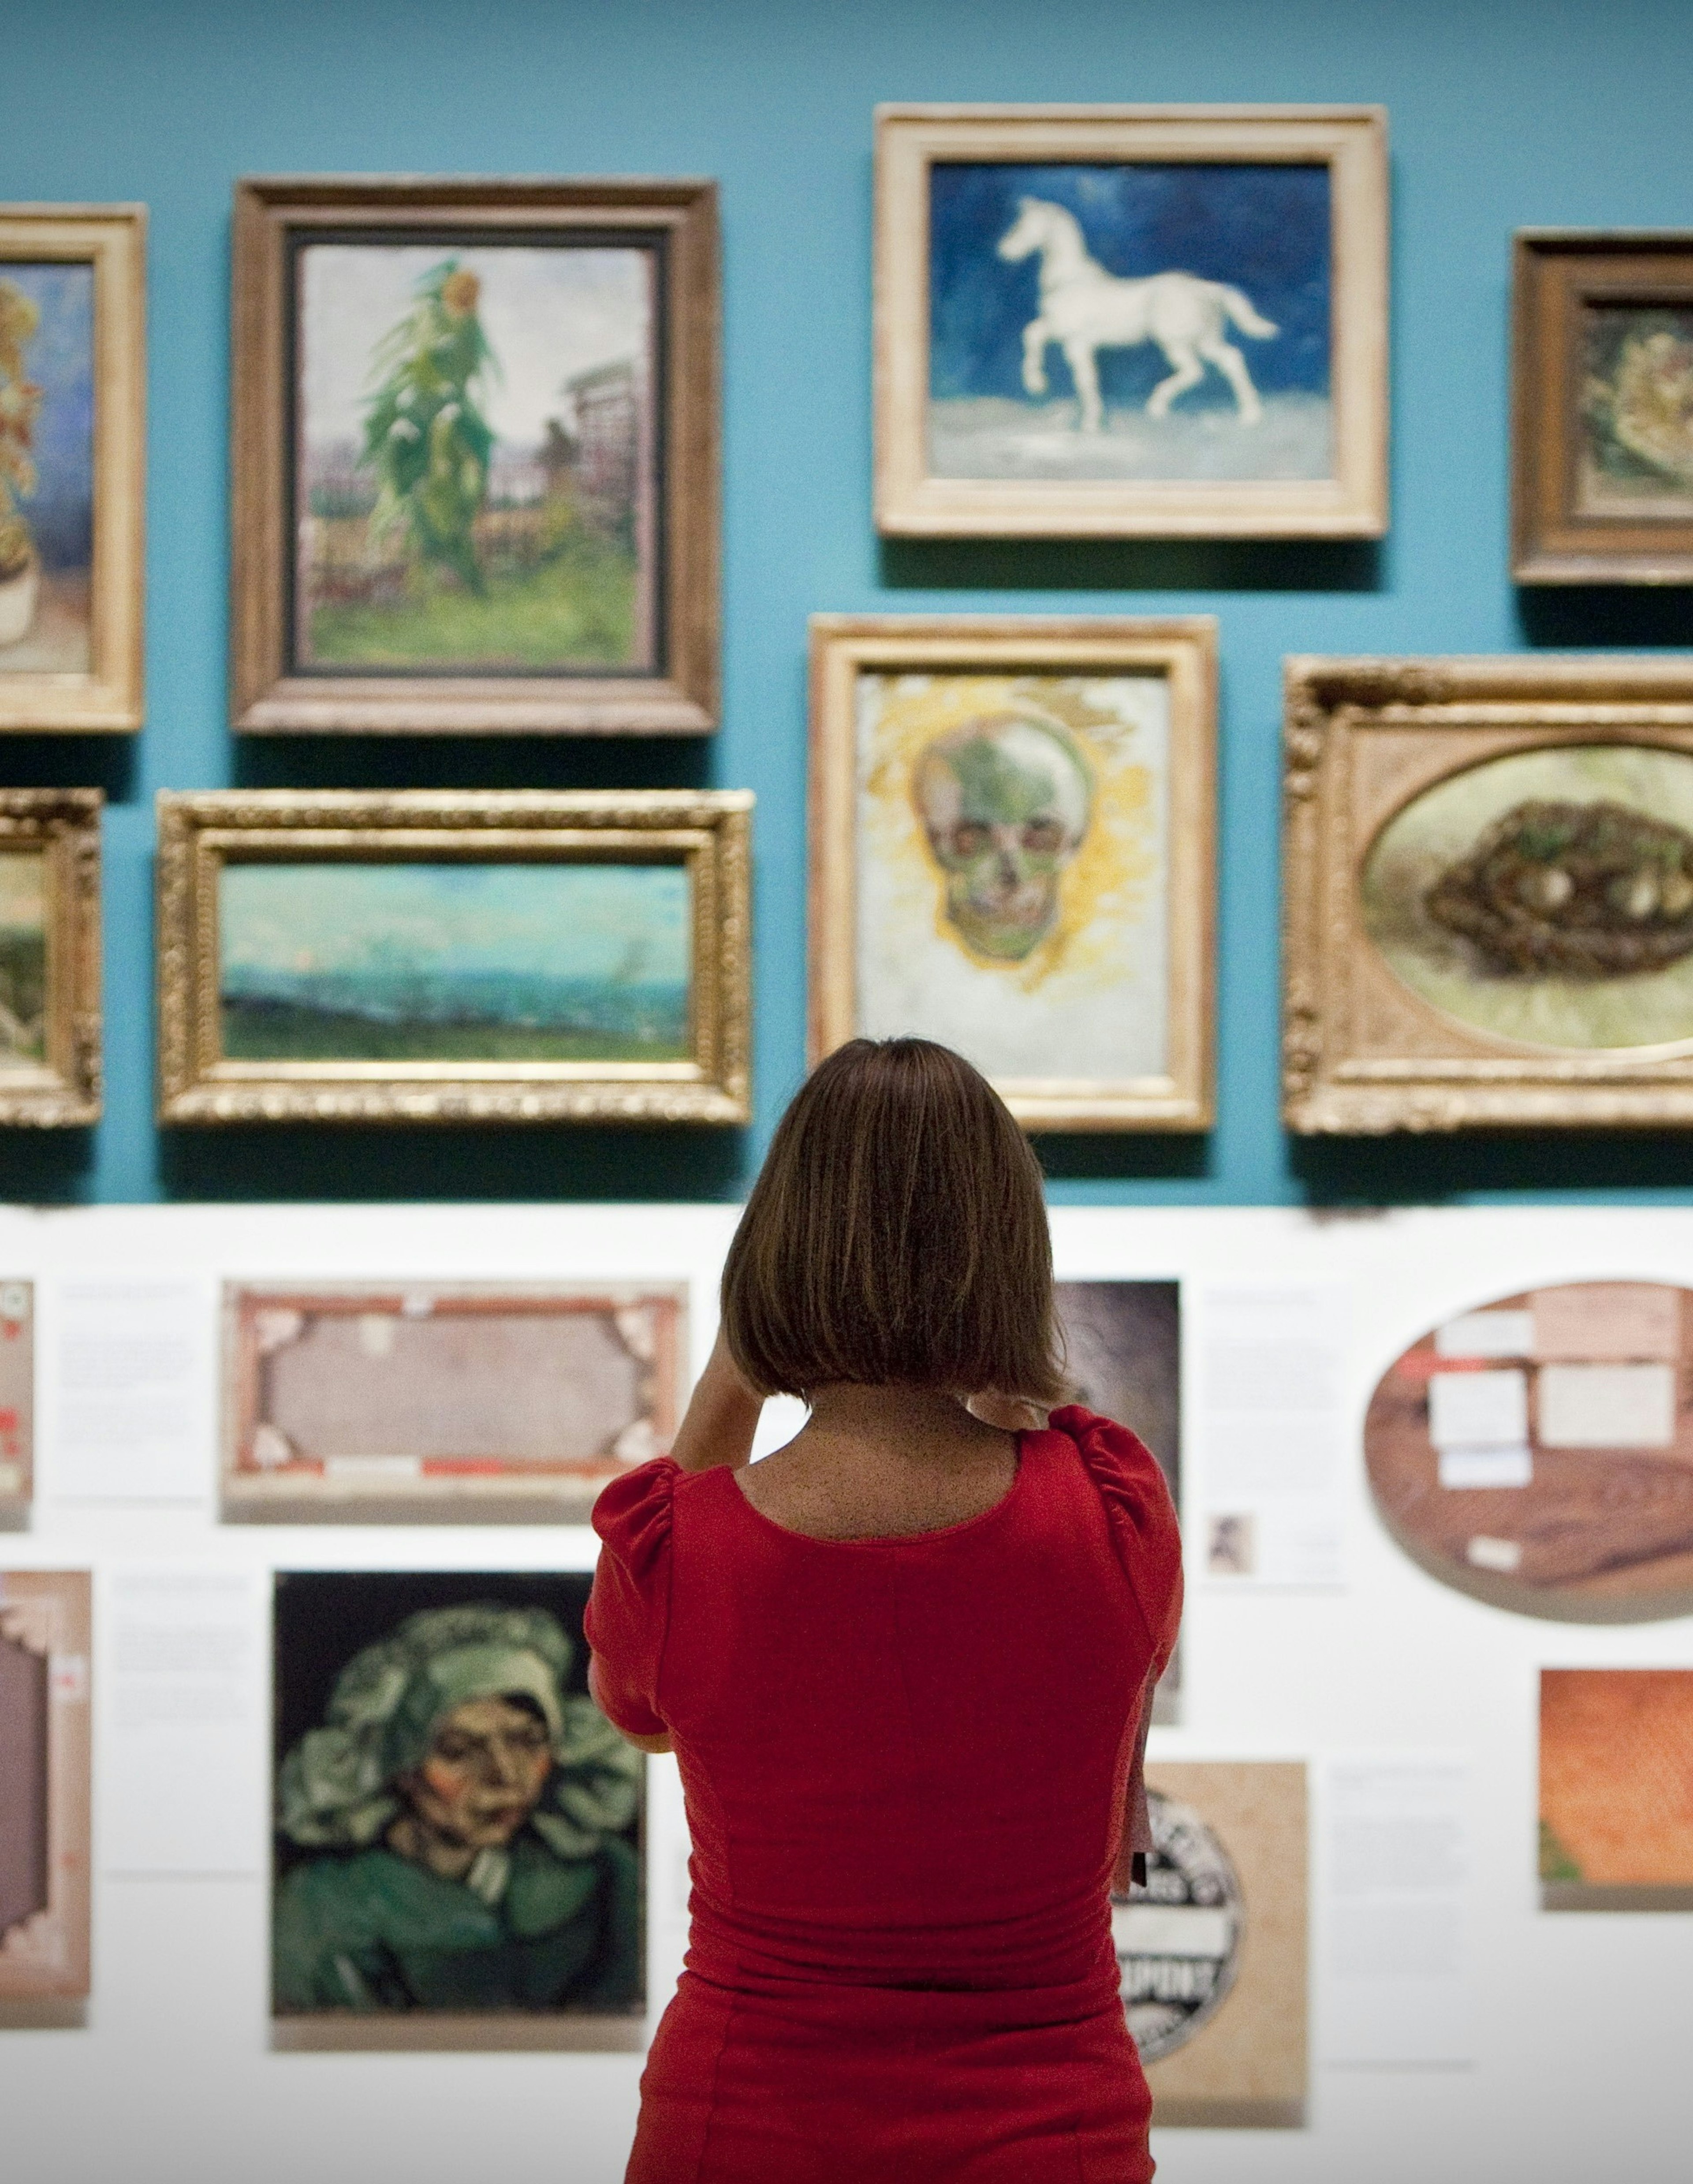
(897, 1539)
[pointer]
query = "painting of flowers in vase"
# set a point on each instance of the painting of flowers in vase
(47, 465)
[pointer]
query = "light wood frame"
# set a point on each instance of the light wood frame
(110, 697)
(1361, 1053)
(267, 695)
(709, 831)
(1557, 274)
(49, 1613)
(63, 826)
(1183, 649)
(1350, 140)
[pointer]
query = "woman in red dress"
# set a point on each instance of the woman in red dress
(905, 1665)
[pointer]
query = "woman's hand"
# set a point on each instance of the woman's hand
(721, 1417)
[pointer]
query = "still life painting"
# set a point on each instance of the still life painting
(509, 956)
(470, 1402)
(45, 1789)
(1616, 1806)
(457, 1827)
(1163, 321)
(1026, 844)
(1637, 410)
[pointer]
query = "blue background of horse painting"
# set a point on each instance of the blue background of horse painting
(1264, 229)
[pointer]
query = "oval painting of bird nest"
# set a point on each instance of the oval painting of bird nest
(1537, 1450)
(1546, 898)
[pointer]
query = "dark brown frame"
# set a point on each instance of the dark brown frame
(1557, 273)
(682, 697)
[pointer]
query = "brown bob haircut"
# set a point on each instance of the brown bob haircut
(897, 1232)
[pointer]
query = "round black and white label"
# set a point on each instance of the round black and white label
(1178, 1940)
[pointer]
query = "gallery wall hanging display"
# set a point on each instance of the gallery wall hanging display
(45, 1619)
(1488, 875)
(1158, 321)
(474, 956)
(1538, 1451)
(467, 1402)
(17, 1399)
(73, 465)
(1601, 430)
(1211, 1953)
(1013, 823)
(50, 1027)
(1616, 1758)
(457, 1827)
(475, 456)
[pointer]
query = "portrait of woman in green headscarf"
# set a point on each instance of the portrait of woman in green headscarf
(457, 1829)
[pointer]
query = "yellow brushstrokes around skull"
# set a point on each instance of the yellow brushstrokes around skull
(1115, 862)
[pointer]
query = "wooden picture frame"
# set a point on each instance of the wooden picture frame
(657, 879)
(461, 1402)
(1602, 486)
(71, 618)
(1144, 788)
(618, 499)
(50, 1079)
(1485, 1007)
(1307, 459)
(46, 1623)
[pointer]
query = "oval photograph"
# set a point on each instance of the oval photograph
(1546, 897)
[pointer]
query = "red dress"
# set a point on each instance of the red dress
(905, 1762)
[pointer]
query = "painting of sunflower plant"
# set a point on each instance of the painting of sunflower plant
(474, 460)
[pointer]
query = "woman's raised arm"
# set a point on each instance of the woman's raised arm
(721, 1417)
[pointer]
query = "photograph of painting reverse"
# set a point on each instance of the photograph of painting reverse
(457, 1849)
(17, 1396)
(46, 466)
(460, 1401)
(45, 1637)
(473, 458)
(1616, 1767)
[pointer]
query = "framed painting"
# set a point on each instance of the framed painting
(459, 1859)
(50, 1032)
(1616, 1828)
(17, 1399)
(1211, 1951)
(1011, 842)
(474, 457)
(1601, 397)
(45, 1759)
(468, 1402)
(1155, 321)
(444, 955)
(73, 465)
(1488, 867)
(1536, 1452)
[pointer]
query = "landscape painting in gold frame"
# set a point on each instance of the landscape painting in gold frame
(1487, 867)
(50, 1026)
(1123, 321)
(444, 955)
(1012, 844)
(73, 466)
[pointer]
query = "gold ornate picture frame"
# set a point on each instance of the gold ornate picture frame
(1130, 321)
(1488, 875)
(46, 1761)
(1013, 847)
(442, 955)
(50, 1024)
(73, 467)
(474, 456)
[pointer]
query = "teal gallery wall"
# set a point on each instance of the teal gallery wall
(1503, 115)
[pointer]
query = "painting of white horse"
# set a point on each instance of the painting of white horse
(1084, 308)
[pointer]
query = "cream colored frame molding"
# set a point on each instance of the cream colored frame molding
(63, 826)
(1361, 1052)
(1352, 140)
(1183, 649)
(110, 697)
(709, 831)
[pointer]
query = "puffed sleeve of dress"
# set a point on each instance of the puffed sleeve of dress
(1147, 1541)
(629, 1611)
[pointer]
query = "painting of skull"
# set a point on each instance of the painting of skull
(1014, 828)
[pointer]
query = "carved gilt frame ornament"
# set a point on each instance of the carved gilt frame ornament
(62, 826)
(706, 831)
(1361, 1053)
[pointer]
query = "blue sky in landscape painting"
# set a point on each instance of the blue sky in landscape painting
(626, 924)
(60, 359)
(1264, 229)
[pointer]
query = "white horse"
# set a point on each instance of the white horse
(1084, 308)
